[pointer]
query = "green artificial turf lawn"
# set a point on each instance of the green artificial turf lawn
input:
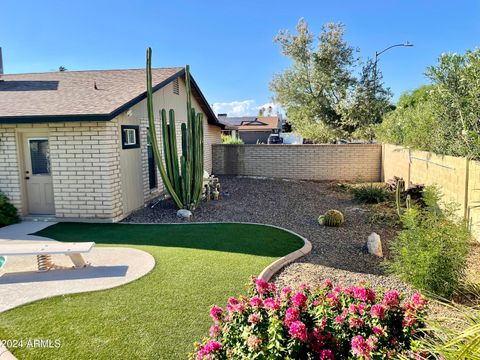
(160, 315)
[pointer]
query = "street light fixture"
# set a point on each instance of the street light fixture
(378, 53)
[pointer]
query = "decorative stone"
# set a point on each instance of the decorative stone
(184, 214)
(374, 245)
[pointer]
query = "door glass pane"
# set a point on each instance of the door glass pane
(40, 156)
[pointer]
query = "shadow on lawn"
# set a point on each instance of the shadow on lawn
(249, 239)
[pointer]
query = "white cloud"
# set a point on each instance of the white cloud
(275, 108)
(244, 108)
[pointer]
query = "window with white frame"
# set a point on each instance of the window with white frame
(130, 137)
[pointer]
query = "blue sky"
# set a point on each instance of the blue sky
(228, 43)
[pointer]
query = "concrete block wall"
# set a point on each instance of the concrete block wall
(449, 173)
(306, 162)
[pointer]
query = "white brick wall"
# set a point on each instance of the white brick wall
(86, 160)
(84, 165)
(9, 171)
(85, 169)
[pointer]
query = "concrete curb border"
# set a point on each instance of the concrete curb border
(277, 265)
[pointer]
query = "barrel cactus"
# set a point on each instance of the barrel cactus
(331, 218)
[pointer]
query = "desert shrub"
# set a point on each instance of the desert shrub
(453, 338)
(331, 217)
(8, 212)
(431, 250)
(369, 193)
(326, 323)
(228, 139)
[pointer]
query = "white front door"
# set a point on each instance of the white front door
(38, 176)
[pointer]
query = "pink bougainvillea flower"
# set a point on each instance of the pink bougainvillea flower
(298, 330)
(409, 319)
(261, 286)
(327, 283)
(316, 339)
(417, 302)
(372, 342)
(254, 342)
(299, 299)
(360, 347)
(256, 302)
(253, 318)
(377, 311)
(333, 300)
(215, 313)
(391, 299)
(234, 305)
(322, 324)
(304, 286)
(355, 322)
(327, 354)
(339, 319)
(363, 294)
(209, 348)
(352, 309)
(378, 330)
(292, 314)
(214, 330)
(286, 291)
(271, 304)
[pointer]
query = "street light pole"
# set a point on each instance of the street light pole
(377, 54)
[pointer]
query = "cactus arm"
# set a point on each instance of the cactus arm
(166, 146)
(153, 134)
(199, 158)
(174, 151)
(184, 163)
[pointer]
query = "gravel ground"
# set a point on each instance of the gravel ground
(296, 205)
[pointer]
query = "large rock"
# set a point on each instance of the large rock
(184, 214)
(374, 245)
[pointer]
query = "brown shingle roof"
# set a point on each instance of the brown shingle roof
(80, 95)
(262, 123)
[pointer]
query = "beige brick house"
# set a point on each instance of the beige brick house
(74, 144)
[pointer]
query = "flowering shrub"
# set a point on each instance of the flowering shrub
(327, 323)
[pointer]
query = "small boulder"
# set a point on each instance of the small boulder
(374, 245)
(184, 214)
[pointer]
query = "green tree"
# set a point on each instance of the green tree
(456, 96)
(442, 117)
(366, 104)
(319, 79)
(62, 68)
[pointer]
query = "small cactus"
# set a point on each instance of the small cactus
(331, 218)
(408, 202)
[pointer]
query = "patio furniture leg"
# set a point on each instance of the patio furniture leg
(44, 262)
(77, 260)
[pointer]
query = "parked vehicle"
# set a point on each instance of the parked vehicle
(275, 139)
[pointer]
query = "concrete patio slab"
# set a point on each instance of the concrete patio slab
(20, 283)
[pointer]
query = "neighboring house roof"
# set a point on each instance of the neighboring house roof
(82, 95)
(252, 123)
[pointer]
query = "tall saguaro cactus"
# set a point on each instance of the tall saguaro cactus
(183, 178)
